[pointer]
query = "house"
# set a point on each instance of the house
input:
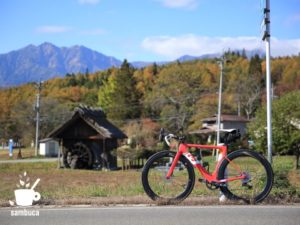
(48, 147)
(228, 123)
(88, 139)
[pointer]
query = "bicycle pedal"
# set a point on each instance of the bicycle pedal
(202, 180)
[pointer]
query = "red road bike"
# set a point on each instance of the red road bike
(241, 175)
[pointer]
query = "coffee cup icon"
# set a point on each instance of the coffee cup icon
(25, 197)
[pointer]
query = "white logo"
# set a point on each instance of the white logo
(25, 196)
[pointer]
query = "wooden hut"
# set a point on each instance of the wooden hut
(88, 139)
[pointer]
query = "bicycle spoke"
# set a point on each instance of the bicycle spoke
(175, 185)
(256, 184)
(178, 186)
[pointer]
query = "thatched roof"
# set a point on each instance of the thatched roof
(93, 117)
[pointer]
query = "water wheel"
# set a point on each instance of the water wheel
(79, 156)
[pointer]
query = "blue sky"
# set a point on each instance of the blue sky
(149, 30)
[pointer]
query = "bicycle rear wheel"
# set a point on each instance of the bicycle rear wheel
(177, 187)
(259, 176)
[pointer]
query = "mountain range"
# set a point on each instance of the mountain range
(46, 61)
(33, 63)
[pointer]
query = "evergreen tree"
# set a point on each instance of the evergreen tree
(87, 73)
(71, 80)
(244, 55)
(155, 68)
(119, 97)
(255, 68)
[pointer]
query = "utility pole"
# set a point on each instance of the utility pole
(219, 156)
(221, 64)
(266, 37)
(37, 109)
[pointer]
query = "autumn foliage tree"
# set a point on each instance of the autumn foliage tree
(176, 90)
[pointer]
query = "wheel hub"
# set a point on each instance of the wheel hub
(246, 180)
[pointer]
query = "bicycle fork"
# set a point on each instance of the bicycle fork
(173, 165)
(182, 151)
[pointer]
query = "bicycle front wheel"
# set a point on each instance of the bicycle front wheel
(258, 182)
(177, 187)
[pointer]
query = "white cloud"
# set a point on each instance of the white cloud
(53, 29)
(64, 29)
(187, 4)
(190, 44)
(97, 31)
(88, 2)
(285, 47)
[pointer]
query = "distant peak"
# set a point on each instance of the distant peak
(80, 47)
(47, 44)
(76, 46)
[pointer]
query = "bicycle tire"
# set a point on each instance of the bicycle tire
(258, 170)
(175, 189)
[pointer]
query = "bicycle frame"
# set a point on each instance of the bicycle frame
(209, 177)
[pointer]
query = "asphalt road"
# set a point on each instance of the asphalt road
(146, 215)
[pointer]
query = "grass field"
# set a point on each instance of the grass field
(65, 186)
(26, 153)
